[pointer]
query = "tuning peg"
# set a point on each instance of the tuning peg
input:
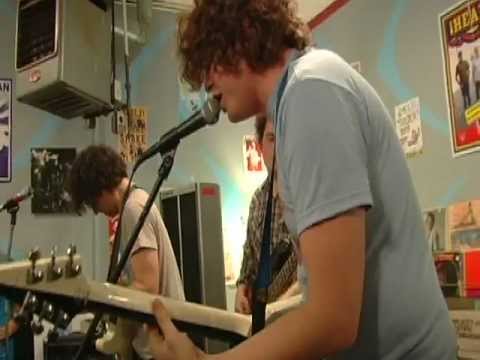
(61, 321)
(72, 250)
(37, 327)
(29, 306)
(54, 272)
(72, 269)
(47, 313)
(34, 254)
(34, 275)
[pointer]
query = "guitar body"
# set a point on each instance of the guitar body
(118, 339)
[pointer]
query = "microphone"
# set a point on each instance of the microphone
(14, 201)
(207, 115)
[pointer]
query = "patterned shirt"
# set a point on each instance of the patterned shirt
(281, 247)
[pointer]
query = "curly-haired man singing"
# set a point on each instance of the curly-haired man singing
(372, 291)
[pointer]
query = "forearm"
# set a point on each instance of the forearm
(287, 339)
(150, 288)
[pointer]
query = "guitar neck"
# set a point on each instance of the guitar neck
(188, 317)
(71, 292)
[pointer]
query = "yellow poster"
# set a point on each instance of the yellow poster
(132, 133)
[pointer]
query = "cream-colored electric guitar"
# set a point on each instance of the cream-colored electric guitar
(56, 290)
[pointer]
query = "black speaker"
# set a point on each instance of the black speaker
(192, 216)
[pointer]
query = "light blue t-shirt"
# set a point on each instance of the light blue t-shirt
(337, 150)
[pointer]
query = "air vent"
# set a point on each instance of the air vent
(36, 31)
(66, 102)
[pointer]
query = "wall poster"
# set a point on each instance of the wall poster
(409, 126)
(133, 135)
(49, 170)
(5, 130)
(460, 33)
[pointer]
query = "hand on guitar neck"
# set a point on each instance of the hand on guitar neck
(166, 342)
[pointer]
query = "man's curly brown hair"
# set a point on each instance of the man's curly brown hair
(223, 32)
(96, 168)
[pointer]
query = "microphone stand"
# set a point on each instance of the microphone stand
(163, 172)
(13, 221)
(12, 210)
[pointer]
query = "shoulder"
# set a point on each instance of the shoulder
(137, 201)
(323, 69)
(322, 65)
(259, 193)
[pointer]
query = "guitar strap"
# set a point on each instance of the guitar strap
(264, 274)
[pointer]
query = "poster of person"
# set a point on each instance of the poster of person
(49, 171)
(5, 130)
(464, 225)
(409, 126)
(252, 156)
(435, 228)
(460, 32)
(132, 133)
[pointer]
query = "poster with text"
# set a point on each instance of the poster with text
(460, 33)
(5, 130)
(132, 133)
(464, 225)
(409, 126)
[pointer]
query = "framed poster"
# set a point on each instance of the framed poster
(5, 130)
(460, 32)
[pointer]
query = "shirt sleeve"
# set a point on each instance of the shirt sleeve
(323, 151)
(146, 237)
(249, 262)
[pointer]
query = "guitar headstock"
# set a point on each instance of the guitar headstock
(51, 287)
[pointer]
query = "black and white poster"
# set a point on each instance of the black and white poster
(5, 130)
(435, 222)
(49, 171)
